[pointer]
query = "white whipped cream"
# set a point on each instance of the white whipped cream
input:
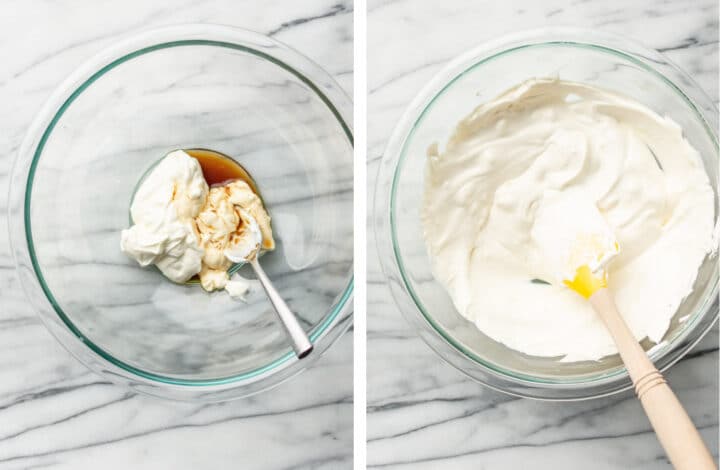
(163, 211)
(483, 193)
(567, 242)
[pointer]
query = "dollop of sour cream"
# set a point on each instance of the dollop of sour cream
(163, 212)
(512, 156)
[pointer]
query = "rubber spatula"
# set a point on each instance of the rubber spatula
(578, 245)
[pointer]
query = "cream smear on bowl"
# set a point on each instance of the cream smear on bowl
(509, 158)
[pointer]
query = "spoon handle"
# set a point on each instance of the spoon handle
(675, 430)
(300, 341)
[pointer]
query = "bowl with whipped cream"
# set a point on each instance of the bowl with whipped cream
(120, 219)
(491, 141)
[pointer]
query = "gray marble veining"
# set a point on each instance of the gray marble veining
(422, 413)
(56, 414)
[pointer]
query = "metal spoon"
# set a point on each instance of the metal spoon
(247, 253)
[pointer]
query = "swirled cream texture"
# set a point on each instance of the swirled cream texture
(546, 138)
(224, 225)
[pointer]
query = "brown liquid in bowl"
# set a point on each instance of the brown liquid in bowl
(219, 169)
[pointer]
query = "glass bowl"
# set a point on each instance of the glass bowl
(606, 61)
(192, 86)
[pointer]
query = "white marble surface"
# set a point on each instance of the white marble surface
(56, 414)
(422, 413)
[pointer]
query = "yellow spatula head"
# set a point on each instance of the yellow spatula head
(575, 240)
(586, 282)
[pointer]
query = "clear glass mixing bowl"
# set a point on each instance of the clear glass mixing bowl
(606, 61)
(193, 86)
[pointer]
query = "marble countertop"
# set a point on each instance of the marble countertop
(422, 413)
(56, 414)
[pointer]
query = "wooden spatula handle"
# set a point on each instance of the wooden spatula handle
(675, 430)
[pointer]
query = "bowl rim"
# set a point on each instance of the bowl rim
(135, 45)
(515, 383)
